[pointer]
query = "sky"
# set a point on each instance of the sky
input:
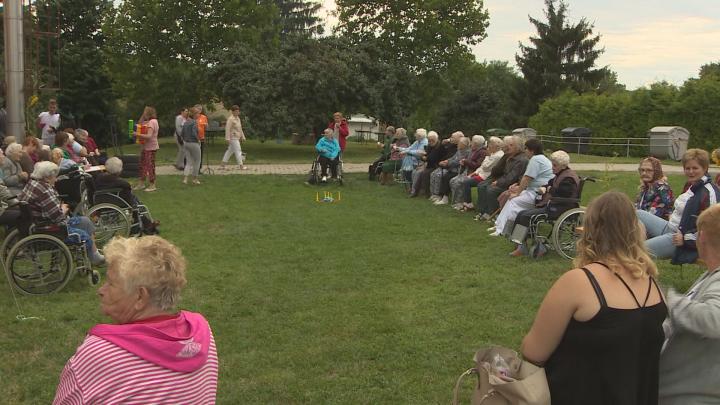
(645, 41)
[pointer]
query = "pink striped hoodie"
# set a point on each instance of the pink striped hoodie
(169, 359)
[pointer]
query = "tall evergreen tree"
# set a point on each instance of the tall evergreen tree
(562, 56)
(299, 17)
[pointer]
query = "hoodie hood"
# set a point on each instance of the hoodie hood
(180, 343)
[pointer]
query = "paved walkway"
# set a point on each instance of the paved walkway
(296, 168)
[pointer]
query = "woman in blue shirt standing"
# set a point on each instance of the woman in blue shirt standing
(329, 149)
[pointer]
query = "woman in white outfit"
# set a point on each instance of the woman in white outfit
(233, 135)
(522, 195)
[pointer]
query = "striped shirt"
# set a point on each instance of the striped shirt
(102, 373)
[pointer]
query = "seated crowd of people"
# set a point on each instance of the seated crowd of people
(29, 173)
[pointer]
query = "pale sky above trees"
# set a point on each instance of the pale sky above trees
(645, 40)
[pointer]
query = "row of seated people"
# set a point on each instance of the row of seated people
(515, 182)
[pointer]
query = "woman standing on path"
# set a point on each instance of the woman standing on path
(339, 126)
(191, 144)
(149, 149)
(179, 121)
(234, 135)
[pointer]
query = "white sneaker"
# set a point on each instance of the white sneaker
(458, 206)
(324, 179)
(434, 198)
(442, 201)
(496, 233)
(491, 229)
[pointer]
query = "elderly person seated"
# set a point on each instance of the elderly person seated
(9, 212)
(505, 173)
(90, 150)
(522, 195)
(45, 206)
(394, 161)
(66, 142)
(494, 154)
(654, 195)
(450, 169)
(412, 154)
(111, 180)
(388, 139)
(675, 238)
(57, 156)
(478, 152)
(428, 162)
(29, 157)
(151, 353)
(13, 175)
(565, 184)
(449, 149)
(328, 149)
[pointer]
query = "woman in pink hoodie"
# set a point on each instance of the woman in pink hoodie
(150, 354)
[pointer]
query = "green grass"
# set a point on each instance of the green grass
(376, 299)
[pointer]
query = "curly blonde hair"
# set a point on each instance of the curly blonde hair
(150, 262)
(613, 235)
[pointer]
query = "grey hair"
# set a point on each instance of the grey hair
(560, 158)
(464, 140)
(494, 140)
(114, 165)
(478, 140)
(400, 132)
(457, 134)
(420, 133)
(433, 135)
(44, 170)
(514, 139)
(12, 148)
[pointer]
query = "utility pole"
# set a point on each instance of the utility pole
(14, 69)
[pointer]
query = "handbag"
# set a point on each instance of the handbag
(503, 378)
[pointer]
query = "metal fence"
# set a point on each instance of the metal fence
(605, 145)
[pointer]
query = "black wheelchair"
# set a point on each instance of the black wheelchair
(41, 258)
(75, 189)
(559, 232)
(315, 170)
(113, 216)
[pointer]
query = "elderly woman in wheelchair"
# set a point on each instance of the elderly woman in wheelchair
(45, 206)
(117, 211)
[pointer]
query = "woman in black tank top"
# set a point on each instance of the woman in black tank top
(599, 330)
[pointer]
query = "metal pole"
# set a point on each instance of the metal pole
(627, 151)
(14, 70)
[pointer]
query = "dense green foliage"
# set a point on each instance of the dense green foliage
(562, 55)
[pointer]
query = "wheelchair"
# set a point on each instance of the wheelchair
(41, 258)
(314, 174)
(75, 188)
(113, 216)
(561, 233)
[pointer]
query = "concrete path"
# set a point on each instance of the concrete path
(296, 168)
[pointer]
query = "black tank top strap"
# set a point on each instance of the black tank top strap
(657, 288)
(629, 289)
(596, 287)
(650, 286)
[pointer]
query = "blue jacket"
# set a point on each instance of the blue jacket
(705, 194)
(412, 156)
(329, 149)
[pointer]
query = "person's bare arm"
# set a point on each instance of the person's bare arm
(556, 311)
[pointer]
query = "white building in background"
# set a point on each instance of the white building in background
(361, 125)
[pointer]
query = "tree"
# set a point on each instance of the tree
(299, 17)
(710, 69)
(562, 55)
(422, 34)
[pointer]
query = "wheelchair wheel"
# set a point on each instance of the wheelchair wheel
(314, 177)
(567, 231)
(39, 264)
(10, 241)
(110, 221)
(82, 206)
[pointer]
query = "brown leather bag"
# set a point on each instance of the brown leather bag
(528, 385)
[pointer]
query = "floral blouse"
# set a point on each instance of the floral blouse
(656, 198)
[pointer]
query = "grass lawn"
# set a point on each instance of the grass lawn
(376, 299)
(273, 152)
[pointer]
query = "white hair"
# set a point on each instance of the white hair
(478, 140)
(114, 165)
(513, 139)
(560, 158)
(494, 140)
(44, 170)
(420, 133)
(13, 148)
(433, 135)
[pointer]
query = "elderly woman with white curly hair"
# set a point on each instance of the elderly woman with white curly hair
(151, 353)
(12, 173)
(412, 154)
(45, 206)
(478, 152)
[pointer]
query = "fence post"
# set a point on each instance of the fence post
(627, 153)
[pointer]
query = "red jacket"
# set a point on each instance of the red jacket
(344, 132)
